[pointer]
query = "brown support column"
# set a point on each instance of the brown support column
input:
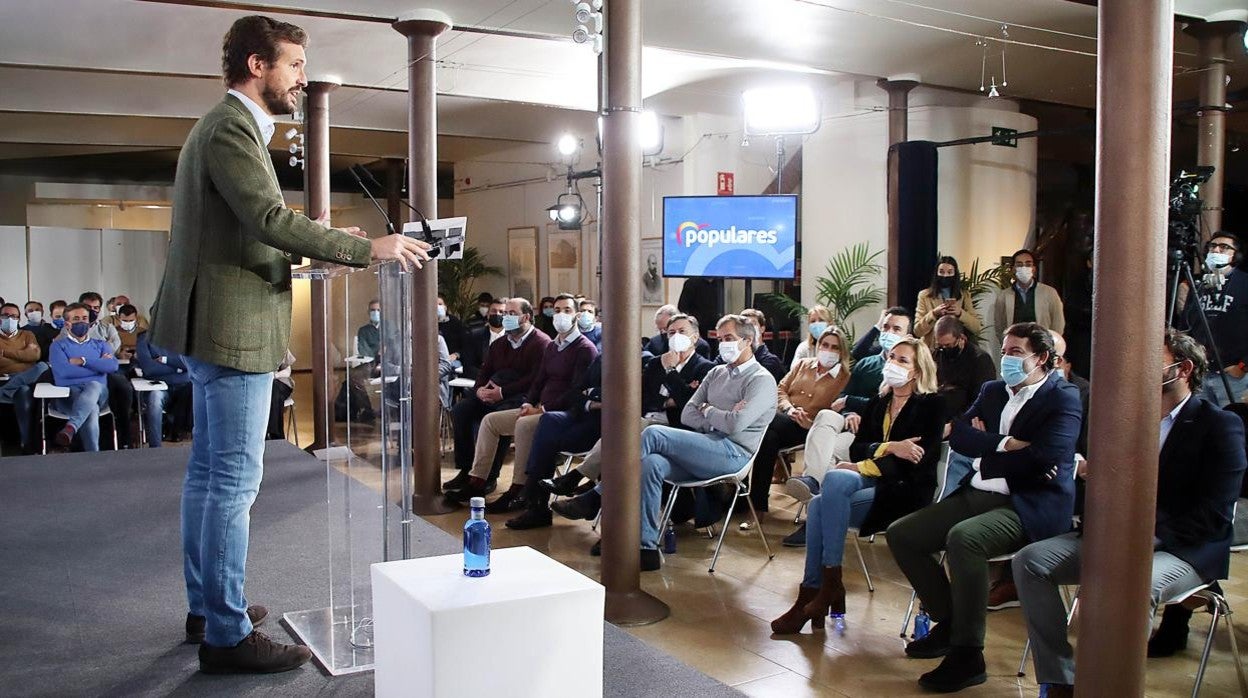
(898, 131)
(422, 28)
(626, 603)
(1134, 62)
(316, 164)
(1211, 129)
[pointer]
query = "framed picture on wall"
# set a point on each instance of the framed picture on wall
(653, 285)
(563, 261)
(522, 263)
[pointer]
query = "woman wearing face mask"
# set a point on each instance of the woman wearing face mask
(809, 387)
(895, 451)
(817, 320)
(544, 320)
(944, 297)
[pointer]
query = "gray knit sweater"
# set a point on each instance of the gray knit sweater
(722, 389)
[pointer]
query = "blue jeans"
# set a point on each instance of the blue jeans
(19, 390)
(222, 480)
(667, 452)
(83, 409)
(1216, 392)
(843, 501)
(154, 416)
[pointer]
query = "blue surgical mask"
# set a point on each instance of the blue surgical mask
(1012, 370)
(817, 329)
(888, 340)
(441, 312)
(80, 329)
(548, 312)
(511, 323)
(585, 321)
(58, 322)
(374, 316)
(8, 325)
(1215, 260)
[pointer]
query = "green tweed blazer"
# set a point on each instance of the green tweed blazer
(226, 293)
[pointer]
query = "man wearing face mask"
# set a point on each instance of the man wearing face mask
(1225, 301)
(587, 322)
(56, 315)
(657, 345)
(452, 331)
(1201, 467)
(44, 332)
(1027, 300)
(478, 319)
(19, 360)
(94, 302)
(762, 353)
(510, 367)
(962, 367)
(368, 337)
(481, 338)
(120, 392)
(1021, 433)
(129, 327)
(81, 363)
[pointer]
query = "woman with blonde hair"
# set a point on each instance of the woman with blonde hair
(895, 450)
(818, 319)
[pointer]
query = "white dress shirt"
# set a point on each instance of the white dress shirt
(1167, 422)
(264, 121)
(1013, 406)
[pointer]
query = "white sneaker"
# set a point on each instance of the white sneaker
(803, 488)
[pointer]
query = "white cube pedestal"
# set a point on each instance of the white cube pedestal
(533, 627)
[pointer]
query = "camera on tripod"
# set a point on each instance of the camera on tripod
(1185, 208)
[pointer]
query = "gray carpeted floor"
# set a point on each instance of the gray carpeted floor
(91, 596)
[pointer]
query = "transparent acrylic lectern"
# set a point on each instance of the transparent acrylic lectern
(366, 376)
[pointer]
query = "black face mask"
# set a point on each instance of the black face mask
(952, 352)
(944, 281)
(495, 320)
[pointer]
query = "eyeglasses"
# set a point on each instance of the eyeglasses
(1219, 247)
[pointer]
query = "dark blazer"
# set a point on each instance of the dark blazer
(903, 487)
(589, 388)
(680, 386)
(1050, 422)
(1199, 476)
(657, 346)
(476, 346)
(455, 334)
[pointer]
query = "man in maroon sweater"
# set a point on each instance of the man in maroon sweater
(509, 369)
(564, 362)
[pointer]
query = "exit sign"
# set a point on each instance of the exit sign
(725, 184)
(1007, 137)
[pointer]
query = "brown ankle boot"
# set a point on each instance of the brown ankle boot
(831, 596)
(795, 618)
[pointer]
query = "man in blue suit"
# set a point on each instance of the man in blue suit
(1021, 433)
(1201, 467)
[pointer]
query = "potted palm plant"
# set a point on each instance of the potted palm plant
(847, 285)
(457, 279)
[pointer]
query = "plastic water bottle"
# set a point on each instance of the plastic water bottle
(838, 622)
(477, 540)
(669, 539)
(922, 624)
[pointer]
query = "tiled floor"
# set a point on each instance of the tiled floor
(719, 623)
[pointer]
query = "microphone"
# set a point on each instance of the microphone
(424, 221)
(437, 245)
(369, 194)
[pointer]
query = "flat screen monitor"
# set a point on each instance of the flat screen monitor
(740, 237)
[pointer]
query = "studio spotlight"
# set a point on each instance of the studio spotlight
(780, 111)
(568, 145)
(568, 211)
(651, 133)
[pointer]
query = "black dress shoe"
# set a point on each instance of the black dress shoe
(475, 487)
(531, 518)
(512, 501)
(585, 506)
(962, 668)
(934, 644)
(796, 539)
(256, 654)
(1171, 635)
(596, 550)
(650, 560)
(460, 480)
(564, 485)
(195, 624)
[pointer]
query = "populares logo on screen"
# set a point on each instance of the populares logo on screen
(690, 233)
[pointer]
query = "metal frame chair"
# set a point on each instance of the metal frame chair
(44, 392)
(784, 455)
(741, 479)
(141, 387)
(292, 421)
(1220, 609)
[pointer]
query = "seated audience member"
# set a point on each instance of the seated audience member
(82, 363)
(510, 368)
(1198, 479)
(542, 320)
(762, 353)
(869, 371)
(56, 314)
(666, 386)
(484, 300)
(1027, 300)
(481, 338)
(451, 329)
(587, 322)
(128, 330)
(562, 367)
(43, 331)
(159, 365)
(962, 367)
(20, 363)
(727, 417)
(1021, 432)
(120, 392)
(283, 388)
(368, 337)
(893, 472)
(818, 319)
(945, 298)
(657, 345)
(809, 388)
(114, 309)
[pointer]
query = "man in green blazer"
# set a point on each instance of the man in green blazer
(224, 303)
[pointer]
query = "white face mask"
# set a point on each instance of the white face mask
(129, 325)
(1217, 260)
(1024, 274)
(679, 343)
(729, 351)
(34, 317)
(895, 376)
(828, 359)
(563, 322)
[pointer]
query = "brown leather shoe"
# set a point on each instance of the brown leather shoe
(1003, 594)
(256, 654)
(795, 618)
(195, 624)
(831, 596)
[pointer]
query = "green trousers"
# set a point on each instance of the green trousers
(972, 526)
